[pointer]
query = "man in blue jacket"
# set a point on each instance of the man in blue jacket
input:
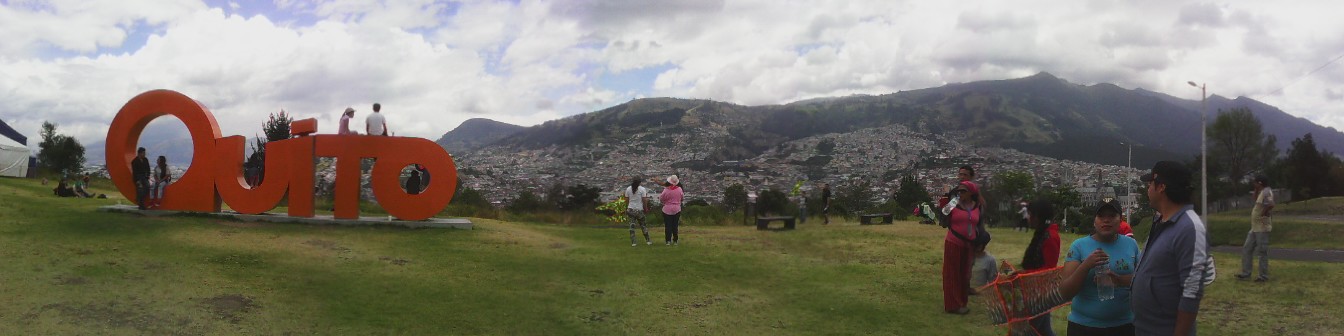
(1175, 265)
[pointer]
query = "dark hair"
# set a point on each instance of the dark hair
(1262, 179)
(1043, 212)
(968, 169)
(1179, 194)
(163, 162)
(634, 185)
(377, 107)
(141, 150)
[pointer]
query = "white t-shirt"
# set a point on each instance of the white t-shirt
(637, 198)
(375, 122)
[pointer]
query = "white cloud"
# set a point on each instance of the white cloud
(436, 63)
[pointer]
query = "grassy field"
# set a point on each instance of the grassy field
(71, 270)
(1311, 224)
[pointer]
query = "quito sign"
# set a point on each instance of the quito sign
(216, 171)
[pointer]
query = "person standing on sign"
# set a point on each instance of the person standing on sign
(1097, 274)
(1175, 265)
(637, 199)
(375, 124)
(140, 174)
(1257, 240)
(957, 248)
(1043, 251)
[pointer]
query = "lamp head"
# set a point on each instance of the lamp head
(1193, 84)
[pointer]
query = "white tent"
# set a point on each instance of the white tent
(13, 152)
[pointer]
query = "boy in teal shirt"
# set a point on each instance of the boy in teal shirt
(1091, 315)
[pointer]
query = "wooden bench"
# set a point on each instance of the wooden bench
(868, 219)
(763, 223)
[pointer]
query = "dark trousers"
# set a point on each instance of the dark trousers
(141, 193)
(1042, 325)
(670, 224)
(1082, 330)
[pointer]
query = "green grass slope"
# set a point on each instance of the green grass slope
(71, 270)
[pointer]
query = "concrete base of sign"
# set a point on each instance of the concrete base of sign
(442, 223)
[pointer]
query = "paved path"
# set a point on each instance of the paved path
(1334, 256)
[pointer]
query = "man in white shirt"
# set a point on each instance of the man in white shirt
(1257, 240)
(375, 124)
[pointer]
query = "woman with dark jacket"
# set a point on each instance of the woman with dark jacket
(1043, 251)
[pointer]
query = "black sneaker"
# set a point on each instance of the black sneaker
(1243, 276)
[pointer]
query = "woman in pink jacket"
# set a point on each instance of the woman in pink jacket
(671, 199)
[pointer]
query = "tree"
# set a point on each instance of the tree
(1014, 184)
(525, 203)
(911, 193)
(854, 198)
(1306, 169)
(276, 128)
(772, 201)
(581, 197)
(1239, 146)
(60, 153)
(555, 196)
(465, 195)
(734, 197)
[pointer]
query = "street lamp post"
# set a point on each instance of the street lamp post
(1129, 179)
(1203, 146)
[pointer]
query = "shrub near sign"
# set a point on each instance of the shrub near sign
(216, 171)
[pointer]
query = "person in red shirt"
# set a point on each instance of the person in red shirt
(1043, 251)
(1125, 229)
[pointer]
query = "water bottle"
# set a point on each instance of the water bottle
(1105, 287)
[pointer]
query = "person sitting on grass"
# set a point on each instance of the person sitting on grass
(63, 190)
(985, 268)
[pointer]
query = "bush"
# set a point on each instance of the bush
(709, 216)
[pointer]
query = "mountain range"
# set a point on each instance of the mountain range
(1040, 114)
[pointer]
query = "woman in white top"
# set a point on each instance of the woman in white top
(638, 198)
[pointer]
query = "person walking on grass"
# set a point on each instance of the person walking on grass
(637, 199)
(671, 199)
(1101, 310)
(162, 177)
(140, 174)
(1042, 252)
(1257, 240)
(1175, 265)
(957, 248)
(825, 203)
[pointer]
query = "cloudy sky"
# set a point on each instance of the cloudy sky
(433, 64)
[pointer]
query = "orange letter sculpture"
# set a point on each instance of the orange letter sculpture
(216, 173)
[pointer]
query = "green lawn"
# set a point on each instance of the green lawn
(1311, 224)
(71, 270)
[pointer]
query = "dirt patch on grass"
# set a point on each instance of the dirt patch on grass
(505, 234)
(395, 261)
(229, 307)
(596, 316)
(71, 281)
(327, 245)
(116, 315)
(239, 224)
(706, 301)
